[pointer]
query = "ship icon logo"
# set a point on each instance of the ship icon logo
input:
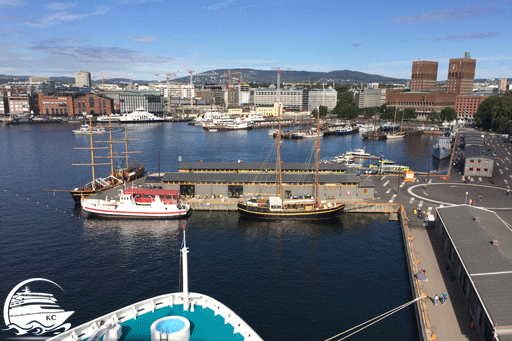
(28, 312)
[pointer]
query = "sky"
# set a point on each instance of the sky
(145, 39)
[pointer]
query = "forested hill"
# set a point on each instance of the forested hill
(219, 76)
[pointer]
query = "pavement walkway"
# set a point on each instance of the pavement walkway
(451, 321)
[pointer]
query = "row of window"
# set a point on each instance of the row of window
(478, 169)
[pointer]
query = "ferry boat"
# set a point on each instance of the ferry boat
(107, 118)
(86, 129)
(176, 316)
(140, 115)
(28, 308)
(443, 148)
(139, 203)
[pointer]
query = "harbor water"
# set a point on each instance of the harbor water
(287, 280)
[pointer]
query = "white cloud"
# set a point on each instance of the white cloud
(143, 39)
(12, 3)
(61, 6)
(356, 44)
(463, 13)
(90, 54)
(63, 17)
(470, 36)
(220, 5)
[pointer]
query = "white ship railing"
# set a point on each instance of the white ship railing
(85, 330)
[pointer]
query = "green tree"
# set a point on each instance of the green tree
(323, 111)
(347, 112)
(483, 115)
(448, 114)
(383, 108)
(388, 114)
(500, 113)
(410, 113)
(433, 116)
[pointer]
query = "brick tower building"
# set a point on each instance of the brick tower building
(424, 75)
(461, 75)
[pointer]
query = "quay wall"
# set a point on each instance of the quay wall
(422, 318)
(229, 204)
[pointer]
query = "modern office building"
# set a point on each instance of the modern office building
(291, 98)
(370, 97)
(83, 79)
(313, 98)
(3, 105)
(18, 105)
(424, 75)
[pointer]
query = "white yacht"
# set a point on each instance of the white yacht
(140, 115)
(86, 129)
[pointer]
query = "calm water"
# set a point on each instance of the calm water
(288, 280)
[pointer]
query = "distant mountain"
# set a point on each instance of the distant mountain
(220, 76)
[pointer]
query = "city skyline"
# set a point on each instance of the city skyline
(143, 38)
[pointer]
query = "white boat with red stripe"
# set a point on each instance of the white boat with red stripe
(139, 203)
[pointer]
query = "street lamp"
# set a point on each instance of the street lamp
(466, 199)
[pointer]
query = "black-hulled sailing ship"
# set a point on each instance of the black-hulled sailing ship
(277, 208)
(116, 177)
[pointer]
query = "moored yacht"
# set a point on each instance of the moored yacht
(86, 129)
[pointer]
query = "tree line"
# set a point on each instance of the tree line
(494, 112)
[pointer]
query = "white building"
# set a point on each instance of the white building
(291, 98)
(368, 98)
(187, 91)
(19, 105)
(83, 79)
(174, 88)
(322, 97)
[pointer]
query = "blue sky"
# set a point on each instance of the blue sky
(140, 38)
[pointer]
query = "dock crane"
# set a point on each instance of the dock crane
(229, 74)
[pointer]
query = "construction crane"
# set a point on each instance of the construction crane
(229, 74)
(191, 91)
(278, 82)
(102, 80)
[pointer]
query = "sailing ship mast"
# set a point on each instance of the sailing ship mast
(91, 148)
(316, 155)
(279, 171)
(394, 119)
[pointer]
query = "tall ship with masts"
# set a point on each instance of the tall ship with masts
(277, 207)
(116, 177)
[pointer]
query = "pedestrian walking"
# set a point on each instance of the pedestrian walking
(470, 201)
(480, 198)
(436, 299)
(443, 297)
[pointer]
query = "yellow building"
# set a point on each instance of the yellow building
(269, 111)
